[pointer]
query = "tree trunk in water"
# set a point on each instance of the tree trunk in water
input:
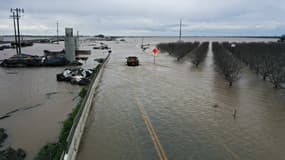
(230, 84)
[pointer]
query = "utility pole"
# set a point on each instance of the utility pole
(18, 12)
(180, 30)
(15, 32)
(142, 43)
(57, 32)
(17, 17)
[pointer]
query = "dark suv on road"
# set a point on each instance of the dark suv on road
(132, 61)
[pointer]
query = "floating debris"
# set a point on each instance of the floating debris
(215, 105)
(102, 46)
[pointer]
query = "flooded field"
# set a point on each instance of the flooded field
(188, 110)
(37, 102)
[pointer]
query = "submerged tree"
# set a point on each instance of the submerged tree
(266, 59)
(226, 63)
(199, 54)
(277, 75)
(178, 49)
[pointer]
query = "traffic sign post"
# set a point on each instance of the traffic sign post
(155, 52)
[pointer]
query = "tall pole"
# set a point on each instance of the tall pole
(57, 32)
(142, 44)
(18, 26)
(180, 30)
(15, 32)
(16, 16)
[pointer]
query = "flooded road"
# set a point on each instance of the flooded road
(37, 102)
(168, 108)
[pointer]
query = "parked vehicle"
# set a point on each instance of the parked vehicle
(132, 61)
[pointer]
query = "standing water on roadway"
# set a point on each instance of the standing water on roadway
(165, 111)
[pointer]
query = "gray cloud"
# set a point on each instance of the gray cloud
(148, 17)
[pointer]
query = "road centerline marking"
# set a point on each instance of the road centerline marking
(157, 145)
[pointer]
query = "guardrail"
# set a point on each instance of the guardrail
(76, 132)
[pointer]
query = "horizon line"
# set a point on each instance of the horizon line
(215, 36)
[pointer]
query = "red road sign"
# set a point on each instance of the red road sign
(155, 50)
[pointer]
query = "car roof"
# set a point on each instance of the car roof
(132, 57)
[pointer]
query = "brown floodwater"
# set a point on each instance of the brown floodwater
(179, 100)
(39, 101)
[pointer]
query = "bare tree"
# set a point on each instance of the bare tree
(226, 63)
(199, 54)
(277, 75)
(266, 59)
(177, 49)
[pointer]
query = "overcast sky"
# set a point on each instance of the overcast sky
(148, 17)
